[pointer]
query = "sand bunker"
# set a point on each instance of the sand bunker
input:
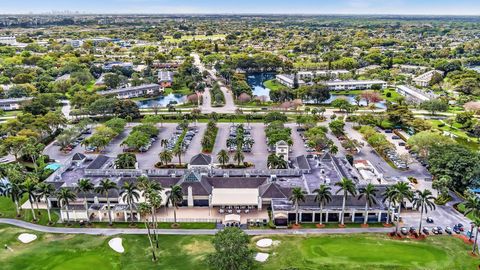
(116, 244)
(261, 257)
(27, 238)
(264, 243)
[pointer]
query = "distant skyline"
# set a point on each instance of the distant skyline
(406, 7)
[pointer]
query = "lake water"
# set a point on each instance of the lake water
(256, 80)
(162, 101)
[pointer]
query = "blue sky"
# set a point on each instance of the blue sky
(439, 7)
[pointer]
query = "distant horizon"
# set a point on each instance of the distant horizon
(245, 7)
(78, 13)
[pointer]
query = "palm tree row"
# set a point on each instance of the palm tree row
(396, 196)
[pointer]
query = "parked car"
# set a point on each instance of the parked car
(448, 230)
(404, 230)
(395, 137)
(429, 220)
(460, 227)
(426, 230)
(401, 144)
(412, 230)
(388, 131)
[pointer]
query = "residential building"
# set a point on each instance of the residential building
(424, 79)
(303, 75)
(413, 94)
(11, 104)
(165, 78)
(8, 40)
(132, 92)
(355, 85)
(288, 80)
(111, 65)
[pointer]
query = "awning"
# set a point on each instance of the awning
(232, 218)
(234, 197)
(280, 216)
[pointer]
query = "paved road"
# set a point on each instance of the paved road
(229, 106)
(108, 232)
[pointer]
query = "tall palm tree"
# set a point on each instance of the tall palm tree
(15, 191)
(475, 223)
(178, 151)
(65, 196)
(165, 157)
(45, 190)
(223, 157)
(368, 192)
(298, 195)
(348, 187)
(30, 189)
(104, 187)
(402, 191)
(144, 209)
(323, 195)
(472, 205)
(389, 195)
(423, 201)
(174, 198)
(130, 194)
(154, 201)
(238, 156)
(85, 186)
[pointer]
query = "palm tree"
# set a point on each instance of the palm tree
(369, 192)
(475, 223)
(298, 195)
(30, 188)
(144, 209)
(126, 161)
(472, 205)
(104, 187)
(165, 157)
(238, 156)
(389, 195)
(130, 194)
(423, 201)
(85, 186)
(276, 162)
(15, 191)
(178, 151)
(223, 157)
(402, 191)
(348, 187)
(174, 198)
(323, 195)
(155, 201)
(65, 196)
(45, 190)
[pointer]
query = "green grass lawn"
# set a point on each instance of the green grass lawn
(354, 251)
(462, 137)
(273, 85)
(7, 210)
(461, 209)
(367, 251)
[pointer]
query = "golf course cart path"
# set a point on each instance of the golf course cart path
(117, 231)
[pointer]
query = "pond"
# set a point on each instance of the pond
(162, 101)
(256, 80)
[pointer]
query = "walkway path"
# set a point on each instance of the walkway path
(106, 231)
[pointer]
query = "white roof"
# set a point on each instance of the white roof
(234, 196)
(232, 217)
